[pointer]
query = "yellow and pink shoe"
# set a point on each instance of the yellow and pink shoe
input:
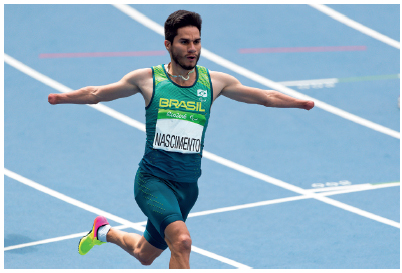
(88, 241)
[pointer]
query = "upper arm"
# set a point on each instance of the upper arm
(130, 84)
(231, 87)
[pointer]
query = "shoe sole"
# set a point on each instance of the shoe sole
(91, 235)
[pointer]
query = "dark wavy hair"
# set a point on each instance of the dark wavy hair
(178, 19)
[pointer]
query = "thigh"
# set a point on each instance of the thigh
(187, 194)
(159, 203)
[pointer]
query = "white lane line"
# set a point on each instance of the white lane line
(363, 188)
(222, 160)
(70, 200)
(342, 190)
(195, 214)
(56, 239)
(353, 24)
(142, 19)
(331, 82)
(110, 216)
(219, 258)
(357, 187)
(315, 84)
(290, 199)
(64, 89)
(247, 206)
(296, 189)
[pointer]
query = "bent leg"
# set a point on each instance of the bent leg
(166, 203)
(135, 244)
(178, 239)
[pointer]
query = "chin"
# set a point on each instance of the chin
(188, 67)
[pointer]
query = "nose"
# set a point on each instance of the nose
(191, 48)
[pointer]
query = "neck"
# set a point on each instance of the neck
(178, 74)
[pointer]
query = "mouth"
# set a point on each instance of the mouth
(192, 58)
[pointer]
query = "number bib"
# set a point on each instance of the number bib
(179, 131)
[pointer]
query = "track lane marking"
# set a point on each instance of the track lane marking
(300, 49)
(110, 216)
(296, 189)
(355, 25)
(55, 239)
(220, 160)
(64, 89)
(365, 186)
(142, 19)
(101, 54)
(331, 82)
(342, 190)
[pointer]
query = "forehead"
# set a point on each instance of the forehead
(189, 32)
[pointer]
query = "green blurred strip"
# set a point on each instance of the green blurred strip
(384, 183)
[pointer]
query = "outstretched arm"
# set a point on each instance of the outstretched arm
(127, 86)
(230, 87)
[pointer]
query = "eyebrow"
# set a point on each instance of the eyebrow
(184, 39)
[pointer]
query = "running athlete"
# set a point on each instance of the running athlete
(178, 97)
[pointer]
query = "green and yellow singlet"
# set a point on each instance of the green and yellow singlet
(176, 121)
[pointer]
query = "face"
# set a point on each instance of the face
(186, 48)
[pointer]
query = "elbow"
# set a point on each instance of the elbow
(93, 93)
(268, 101)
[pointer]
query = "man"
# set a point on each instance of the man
(178, 97)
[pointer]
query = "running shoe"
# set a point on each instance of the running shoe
(88, 241)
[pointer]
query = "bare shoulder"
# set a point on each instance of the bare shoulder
(139, 75)
(220, 81)
(222, 78)
(142, 81)
(219, 75)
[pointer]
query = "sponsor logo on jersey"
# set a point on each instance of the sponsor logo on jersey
(189, 105)
(202, 93)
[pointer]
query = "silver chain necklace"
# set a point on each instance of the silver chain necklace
(174, 76)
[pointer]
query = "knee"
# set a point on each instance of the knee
(182, 245)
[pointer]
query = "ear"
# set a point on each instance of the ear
(168, 44)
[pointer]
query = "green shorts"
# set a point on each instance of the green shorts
(163, 202)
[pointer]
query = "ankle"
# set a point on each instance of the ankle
(102, 233)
